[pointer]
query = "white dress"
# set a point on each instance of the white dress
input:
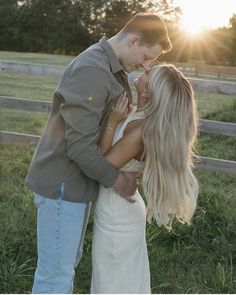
(119, 252)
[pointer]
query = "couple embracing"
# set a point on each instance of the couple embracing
(96, 148)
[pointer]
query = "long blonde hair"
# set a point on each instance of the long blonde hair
(169, 133)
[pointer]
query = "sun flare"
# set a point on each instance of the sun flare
(191, 27)
(199, 15)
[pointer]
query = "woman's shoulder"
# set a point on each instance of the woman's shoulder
(134, 128)
(135, 123)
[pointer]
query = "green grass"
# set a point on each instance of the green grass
(199, 258)
(22, 121)
(36, 58)
(17, 245)
(219, 107)
(192, 259)
(215, 146)
(26, 86)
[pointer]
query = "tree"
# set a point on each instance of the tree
(69, 26)
(232, 30)
(8, 28)
(53, 26)
(114, 14)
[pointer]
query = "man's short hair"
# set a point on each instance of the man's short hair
(151, 29)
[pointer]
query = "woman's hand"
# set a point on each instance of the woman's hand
(119, 111)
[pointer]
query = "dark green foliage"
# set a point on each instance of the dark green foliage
(70, 26)
(65, 26)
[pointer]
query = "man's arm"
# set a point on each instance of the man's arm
(85, 94)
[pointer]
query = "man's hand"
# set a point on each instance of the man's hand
(126, 185)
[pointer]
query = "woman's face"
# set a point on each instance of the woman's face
(141, 85)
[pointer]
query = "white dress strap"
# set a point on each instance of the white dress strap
(135, 116)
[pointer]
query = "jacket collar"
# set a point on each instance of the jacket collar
(113, 60)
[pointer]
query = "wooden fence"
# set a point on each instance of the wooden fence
(206, 126)
(217, 86)
(219, 72)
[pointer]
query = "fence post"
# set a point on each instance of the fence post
(218, 72)
(196, 70)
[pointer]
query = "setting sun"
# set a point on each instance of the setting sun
(191, 27)
(202, 14)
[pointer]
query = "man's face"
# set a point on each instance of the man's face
(137, 56)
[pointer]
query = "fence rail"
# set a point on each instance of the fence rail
(25, 104)
(200, 162)
(206, 126)
(7, 137)
(225, 72)
(216, 165)
(224, 87)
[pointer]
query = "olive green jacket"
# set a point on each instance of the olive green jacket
(67, 154)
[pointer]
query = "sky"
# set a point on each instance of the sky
(200, 14)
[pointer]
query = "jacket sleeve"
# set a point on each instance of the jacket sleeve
(85, 93)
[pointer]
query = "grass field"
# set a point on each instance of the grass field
(35, 58)
(200, 258)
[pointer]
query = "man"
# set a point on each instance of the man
(67, 164)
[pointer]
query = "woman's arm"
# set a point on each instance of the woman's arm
(118, 113)
(126, 149)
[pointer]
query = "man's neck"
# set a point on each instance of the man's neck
(115, 45)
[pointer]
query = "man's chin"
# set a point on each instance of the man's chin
(130, 70)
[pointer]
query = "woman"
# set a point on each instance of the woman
(156, 140)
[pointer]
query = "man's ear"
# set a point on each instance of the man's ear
(134, 40)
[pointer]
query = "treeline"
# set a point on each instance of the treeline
(69, 26)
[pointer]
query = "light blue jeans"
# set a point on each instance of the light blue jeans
(61, 227)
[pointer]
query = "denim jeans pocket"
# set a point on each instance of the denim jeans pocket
(39, 200)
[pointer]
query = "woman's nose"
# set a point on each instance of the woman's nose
(146, 65)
